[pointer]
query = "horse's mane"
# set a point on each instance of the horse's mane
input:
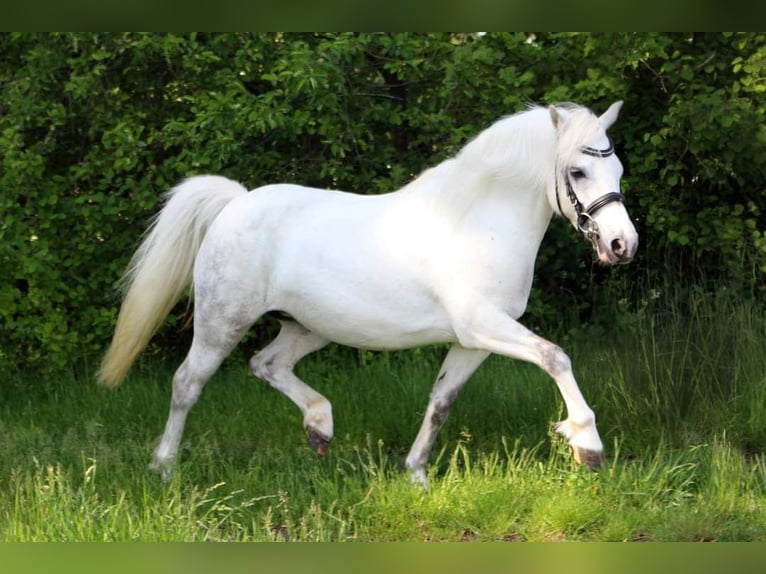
(527, 141)
(517, 151)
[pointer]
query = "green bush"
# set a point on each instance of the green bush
(94, 127)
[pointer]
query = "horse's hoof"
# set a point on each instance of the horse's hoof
(590, 458)
(317, 440)
(418, 478)
(165, 470)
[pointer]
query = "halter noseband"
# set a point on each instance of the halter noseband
(585, 222)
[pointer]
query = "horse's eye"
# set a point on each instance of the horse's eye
(576, 173)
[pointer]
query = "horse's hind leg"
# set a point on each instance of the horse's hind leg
(190, 378)
(215, 336)
(275, 364)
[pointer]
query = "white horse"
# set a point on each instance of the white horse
(447, 258)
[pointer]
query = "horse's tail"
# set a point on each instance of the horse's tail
(161, 268)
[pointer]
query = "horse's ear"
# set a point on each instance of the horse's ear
(555, 117)
(610, 115)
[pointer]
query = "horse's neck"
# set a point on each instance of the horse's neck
(464, 192)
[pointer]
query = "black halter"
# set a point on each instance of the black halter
(585, 222)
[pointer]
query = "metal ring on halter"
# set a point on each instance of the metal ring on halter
(587, 226)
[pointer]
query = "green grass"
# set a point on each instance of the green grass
(679, 395)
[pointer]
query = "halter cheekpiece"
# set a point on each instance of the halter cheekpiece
(585, 222)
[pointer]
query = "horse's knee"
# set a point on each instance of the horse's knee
(553, 359)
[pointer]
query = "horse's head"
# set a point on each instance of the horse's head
(587, 181)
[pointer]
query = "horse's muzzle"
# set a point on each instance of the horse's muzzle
(617, 250)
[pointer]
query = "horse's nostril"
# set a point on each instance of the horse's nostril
(618, 247)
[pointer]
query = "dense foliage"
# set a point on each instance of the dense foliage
(94, 127)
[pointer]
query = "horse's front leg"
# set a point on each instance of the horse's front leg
(491, 329)
(457, 368)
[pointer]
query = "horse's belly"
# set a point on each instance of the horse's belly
(368, 318)
(379, 335)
